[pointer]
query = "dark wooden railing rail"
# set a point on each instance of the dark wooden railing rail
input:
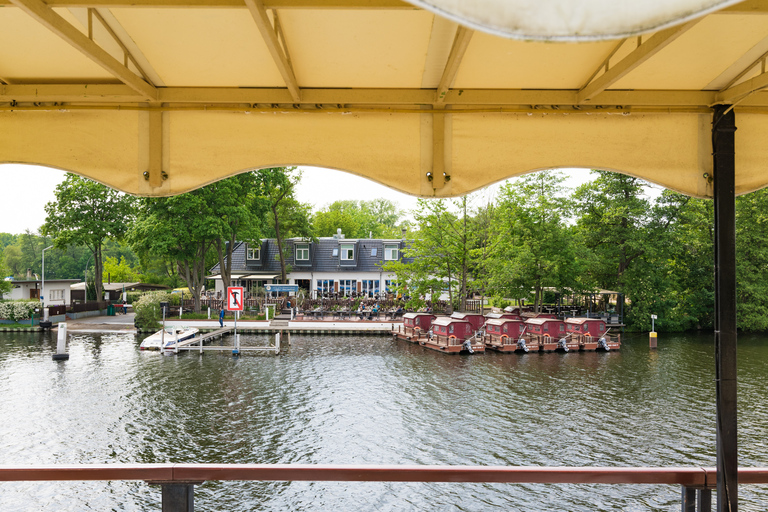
(178, 480)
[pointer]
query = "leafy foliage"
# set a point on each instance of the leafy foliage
(19, 309)
(87, 213)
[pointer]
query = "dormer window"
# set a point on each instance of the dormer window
(391, 252)
(302, 252)
(253, 253)
(347, 252)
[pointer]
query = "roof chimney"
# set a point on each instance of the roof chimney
(404, 230)
(29, 273)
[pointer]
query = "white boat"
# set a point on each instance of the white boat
(172, 335)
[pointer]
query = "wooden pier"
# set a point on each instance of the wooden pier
(197, 344)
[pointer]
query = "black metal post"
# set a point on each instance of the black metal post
(178, 497)
(688, 501)
(703, 500)
(696, 500)
(723, 150)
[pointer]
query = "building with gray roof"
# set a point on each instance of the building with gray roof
(328, 266)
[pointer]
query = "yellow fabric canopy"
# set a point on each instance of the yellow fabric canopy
(158, 97)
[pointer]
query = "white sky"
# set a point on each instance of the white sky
(27, 188)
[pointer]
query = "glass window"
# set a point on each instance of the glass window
(302, 252)
(391, 252)
(450, 328)
(546, 328)
(335, 251)
(375, 251)
(254, 253)
(347, 251)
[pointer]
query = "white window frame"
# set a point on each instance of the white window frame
(56, 295)
(347, 252)
(253, 253)
(388, 252)
(302, 248)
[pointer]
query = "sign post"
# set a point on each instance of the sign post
(652, 337)
(235, 302)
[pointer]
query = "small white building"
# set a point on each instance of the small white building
(57, 291)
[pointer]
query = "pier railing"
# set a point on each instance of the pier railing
(178, 480)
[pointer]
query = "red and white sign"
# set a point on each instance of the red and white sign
(235, 298)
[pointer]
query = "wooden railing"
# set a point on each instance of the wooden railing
(178, 480)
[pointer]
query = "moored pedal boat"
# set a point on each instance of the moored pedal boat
(414, 328)
(453, 336)
(505, 335)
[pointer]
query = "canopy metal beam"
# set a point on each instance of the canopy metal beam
(115, 93)
(58, 25)
(128, 55)
(642, 53)
(268, 33)
(738, 92)
(460, 44)
(723, 150)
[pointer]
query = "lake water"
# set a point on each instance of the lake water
(369, 400)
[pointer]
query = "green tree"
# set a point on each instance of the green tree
(752, 260)
(180, 230)
(287, 217)
(5, 286)
(119, 271)
(13, 260)
(234, 213)
(441, 252)
(533, 249)
(88, 213)
(377, 218)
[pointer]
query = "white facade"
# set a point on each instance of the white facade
(57, 291)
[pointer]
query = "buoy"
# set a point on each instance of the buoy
(61, 344)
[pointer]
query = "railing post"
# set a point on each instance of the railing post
(178, 497)
(696, 500)
(703, 500)
(688, 502)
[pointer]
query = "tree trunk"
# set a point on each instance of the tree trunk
(98, 270)
(279, 237)
(194, 273)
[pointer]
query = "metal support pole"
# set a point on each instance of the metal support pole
(696, 500)
(723, 150)
(703, 500)
(688, 501)
(178, 497)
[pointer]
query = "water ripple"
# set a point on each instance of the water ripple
(369, 400)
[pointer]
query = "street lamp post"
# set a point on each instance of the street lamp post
(42, 296)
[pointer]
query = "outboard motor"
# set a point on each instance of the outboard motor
(603, 344)
(521, 345)
(467, 345)
(562, 345)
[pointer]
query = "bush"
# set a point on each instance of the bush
(147, 309)
(19, 309)
(133, 296)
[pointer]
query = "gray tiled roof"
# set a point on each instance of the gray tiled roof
(321, 257)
